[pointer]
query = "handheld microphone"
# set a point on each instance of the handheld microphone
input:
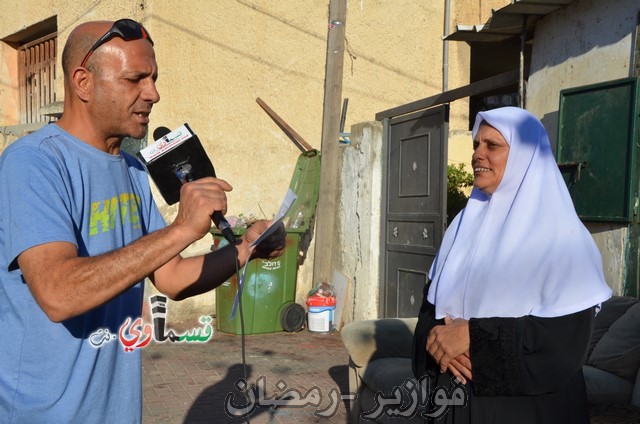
(160, 132)
(175, 158)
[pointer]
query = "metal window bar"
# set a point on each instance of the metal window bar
(37, 74)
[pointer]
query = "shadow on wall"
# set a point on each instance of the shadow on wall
(550, 122)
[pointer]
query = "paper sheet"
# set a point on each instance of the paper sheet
(289, 199)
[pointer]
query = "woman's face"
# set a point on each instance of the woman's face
(489, 159)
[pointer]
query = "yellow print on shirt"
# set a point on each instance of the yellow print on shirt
(105, 213)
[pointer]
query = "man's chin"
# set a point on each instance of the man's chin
(138, 133)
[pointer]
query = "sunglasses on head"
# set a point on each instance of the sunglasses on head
(127, 29)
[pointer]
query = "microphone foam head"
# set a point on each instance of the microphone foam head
(160, 132)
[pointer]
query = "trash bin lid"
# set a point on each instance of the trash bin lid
(305, 183)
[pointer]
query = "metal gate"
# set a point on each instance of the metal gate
(597, 151)
(413, 206)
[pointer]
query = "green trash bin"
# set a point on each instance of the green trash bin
(268, 296)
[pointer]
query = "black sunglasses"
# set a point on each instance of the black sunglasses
(127, 29)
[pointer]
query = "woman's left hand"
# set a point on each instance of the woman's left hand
(460, 367)
(446, 342)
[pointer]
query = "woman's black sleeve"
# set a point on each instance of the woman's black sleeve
(422, 362)
(528, 355)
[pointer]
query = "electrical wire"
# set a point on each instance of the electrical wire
(242, 335)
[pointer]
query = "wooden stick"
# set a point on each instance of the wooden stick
(290, 132)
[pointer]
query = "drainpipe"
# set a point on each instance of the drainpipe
(445, 47)
(632, 282)
(523, 38)
(636, 55)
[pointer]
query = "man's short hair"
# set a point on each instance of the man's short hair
(74, 50)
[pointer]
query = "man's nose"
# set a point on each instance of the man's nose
(150, 93)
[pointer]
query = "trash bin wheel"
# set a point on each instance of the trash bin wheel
(292, 317)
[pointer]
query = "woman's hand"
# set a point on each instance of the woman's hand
(460, 367)
(449, 346)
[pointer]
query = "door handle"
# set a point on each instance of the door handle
(568, 166)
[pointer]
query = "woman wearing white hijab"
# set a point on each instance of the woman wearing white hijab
(513, 288)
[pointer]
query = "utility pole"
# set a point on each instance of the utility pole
(326, 211)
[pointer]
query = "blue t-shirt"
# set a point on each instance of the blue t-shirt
(54, 187)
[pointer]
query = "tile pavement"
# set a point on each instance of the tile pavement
(190, 382)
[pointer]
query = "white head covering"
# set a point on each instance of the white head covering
(522, 250)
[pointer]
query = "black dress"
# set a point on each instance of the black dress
(525, 370)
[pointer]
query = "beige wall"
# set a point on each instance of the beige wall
(464, 12)
(458, 69)
(216, 57)
(9, 100)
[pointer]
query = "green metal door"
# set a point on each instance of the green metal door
(597, 154)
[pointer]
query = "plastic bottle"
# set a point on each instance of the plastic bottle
(298, 221)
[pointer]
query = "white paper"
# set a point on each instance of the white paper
(289, 199)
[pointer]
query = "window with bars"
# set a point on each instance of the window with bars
(37, 76)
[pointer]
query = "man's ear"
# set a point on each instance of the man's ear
(81, 83)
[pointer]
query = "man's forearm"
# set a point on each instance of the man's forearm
(65, 285)
(213, 269)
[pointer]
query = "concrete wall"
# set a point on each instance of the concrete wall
(9, 134)
(587, 42)
(359, 227)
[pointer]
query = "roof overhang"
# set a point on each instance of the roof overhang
(507, 22)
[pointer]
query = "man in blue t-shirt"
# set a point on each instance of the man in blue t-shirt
(79, 232)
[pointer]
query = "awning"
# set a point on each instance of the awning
(508, 21)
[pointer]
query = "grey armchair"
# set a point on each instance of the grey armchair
(379, 361)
